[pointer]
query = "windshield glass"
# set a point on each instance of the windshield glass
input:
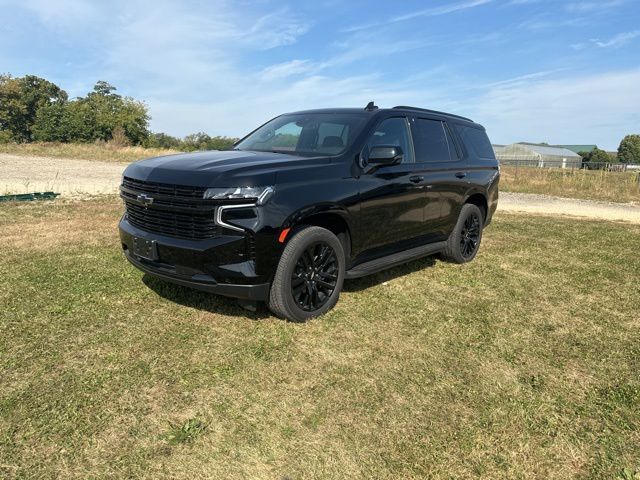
(306, 134)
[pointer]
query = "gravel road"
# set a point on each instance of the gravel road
(21, 174)
(544, 204)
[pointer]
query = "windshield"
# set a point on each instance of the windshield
(306, 134)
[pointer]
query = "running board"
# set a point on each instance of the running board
(394, 259)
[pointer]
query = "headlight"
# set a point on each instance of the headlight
(259, 195)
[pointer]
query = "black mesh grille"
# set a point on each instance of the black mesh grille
(178, 191)
(176, 211)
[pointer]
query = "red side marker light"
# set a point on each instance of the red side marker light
(283, 235)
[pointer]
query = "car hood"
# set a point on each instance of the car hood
(218, 169)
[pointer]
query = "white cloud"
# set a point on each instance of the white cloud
(274, 30)
(286, 69)
(618, 40)
(58, 14)
(597, 109)
(522, 79)
(582, 7)
(441, 10)
(428, 12)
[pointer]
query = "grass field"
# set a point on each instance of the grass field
(522, 364)
(621, 187)
(84, 151)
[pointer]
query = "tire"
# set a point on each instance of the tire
(464, 241)
(309, 276)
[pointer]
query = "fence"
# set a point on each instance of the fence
(571, 164)
(598, 181)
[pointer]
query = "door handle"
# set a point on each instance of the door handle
(416, 178)
(461, 174)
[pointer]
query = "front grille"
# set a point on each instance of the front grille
(192, 226)
(177, 191)
(176, 211)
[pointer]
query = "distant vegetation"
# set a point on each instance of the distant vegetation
(597, 155)
(592, 184)
(33, 109)
(629, 149)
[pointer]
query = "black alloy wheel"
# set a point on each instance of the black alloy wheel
(470, 235)
(464, 241)
(314, 277)
(309, 276)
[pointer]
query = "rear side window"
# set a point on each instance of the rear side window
(433, 141)
(476, 140)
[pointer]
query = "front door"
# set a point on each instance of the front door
(392, 197)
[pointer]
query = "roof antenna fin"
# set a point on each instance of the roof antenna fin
(371, 107)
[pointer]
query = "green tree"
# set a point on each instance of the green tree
(596, 159)
(95, 117)
(20, 100)
(629, 149)
(112, 111)
(52, 123)
(162, 140)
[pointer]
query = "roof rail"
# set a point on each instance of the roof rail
(405, 107)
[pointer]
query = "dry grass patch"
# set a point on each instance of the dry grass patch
(84, 151)
(522, 364)
(621, 187)
(54, 224)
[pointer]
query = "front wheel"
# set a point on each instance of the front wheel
(464, 241)
(309, 276)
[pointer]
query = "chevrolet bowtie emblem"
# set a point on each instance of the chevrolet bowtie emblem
(144, 199)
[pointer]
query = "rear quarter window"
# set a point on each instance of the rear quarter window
(476, 141)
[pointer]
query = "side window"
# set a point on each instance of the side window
(433, 141)
(476, 140)
(393, 131)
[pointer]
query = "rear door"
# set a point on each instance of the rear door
(445, 172)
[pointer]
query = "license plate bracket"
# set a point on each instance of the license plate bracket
(147, 249)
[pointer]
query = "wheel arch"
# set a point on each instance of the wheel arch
(332, 217)
(480, 200)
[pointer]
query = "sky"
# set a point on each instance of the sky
(562, 72)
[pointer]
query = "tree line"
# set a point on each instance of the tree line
(33, 109)
(628, 152)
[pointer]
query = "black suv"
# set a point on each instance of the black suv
(310, 199)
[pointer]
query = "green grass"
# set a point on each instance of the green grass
(587, 184)
(522, 364)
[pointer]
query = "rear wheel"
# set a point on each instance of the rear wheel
(464, 241)
(309, 276)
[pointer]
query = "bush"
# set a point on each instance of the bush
(119, 138)
(5, 137)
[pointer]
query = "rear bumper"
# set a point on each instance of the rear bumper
(222, 266)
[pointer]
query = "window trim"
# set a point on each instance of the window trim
(454, 140)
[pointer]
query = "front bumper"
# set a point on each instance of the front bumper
(222, 265)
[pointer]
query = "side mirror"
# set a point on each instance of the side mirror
(385, 155)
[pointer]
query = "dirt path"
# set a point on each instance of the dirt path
(21, 174)
(544, 204)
